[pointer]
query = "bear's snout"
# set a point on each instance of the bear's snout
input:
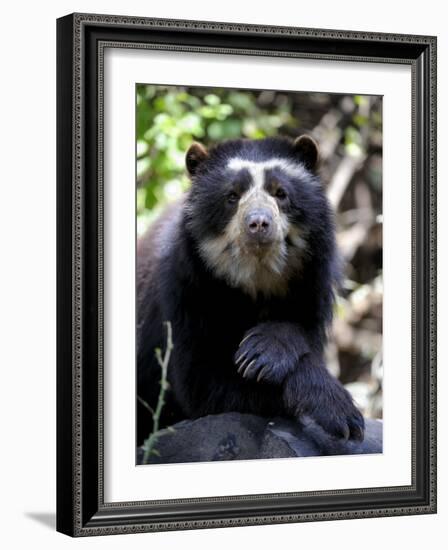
(258, 224)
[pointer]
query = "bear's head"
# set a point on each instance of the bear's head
(253, 209)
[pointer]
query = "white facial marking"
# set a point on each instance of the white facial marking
(297, 237)
(255, 270)
(295, 170)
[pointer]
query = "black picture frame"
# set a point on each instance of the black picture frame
(81, 39)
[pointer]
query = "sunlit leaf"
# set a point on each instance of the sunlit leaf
(212, 99)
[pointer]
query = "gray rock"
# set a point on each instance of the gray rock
(235, 436)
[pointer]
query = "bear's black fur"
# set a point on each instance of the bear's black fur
(237, 348)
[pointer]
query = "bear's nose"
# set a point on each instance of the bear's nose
(259, 223)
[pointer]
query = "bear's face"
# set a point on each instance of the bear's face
(248, 210)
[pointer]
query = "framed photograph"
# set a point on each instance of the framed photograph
(246, 274)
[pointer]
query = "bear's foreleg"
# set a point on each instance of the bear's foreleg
(311, 390)
(270, 351)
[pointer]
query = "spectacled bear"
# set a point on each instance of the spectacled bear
(244, 267)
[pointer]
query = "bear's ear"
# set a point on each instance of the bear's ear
(195, 155)
(308, 150)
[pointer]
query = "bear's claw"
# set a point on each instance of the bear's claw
(261, 357)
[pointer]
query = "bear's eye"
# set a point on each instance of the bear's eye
(280, 194)
(232, 197)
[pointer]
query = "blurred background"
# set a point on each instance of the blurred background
(348, 129)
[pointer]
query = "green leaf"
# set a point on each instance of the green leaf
(212, 99)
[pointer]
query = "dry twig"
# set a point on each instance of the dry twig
(148, 445)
